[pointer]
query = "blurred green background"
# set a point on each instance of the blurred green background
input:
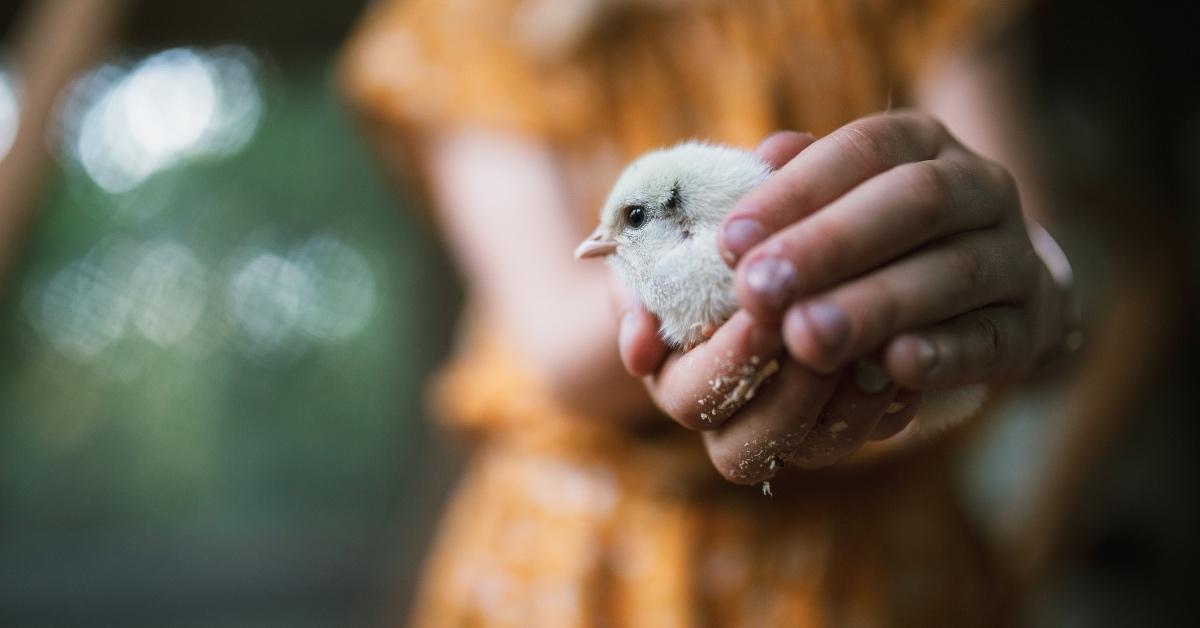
(215, 343)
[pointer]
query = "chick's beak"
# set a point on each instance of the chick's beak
(596, 245)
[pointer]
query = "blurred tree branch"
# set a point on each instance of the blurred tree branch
(53, 41)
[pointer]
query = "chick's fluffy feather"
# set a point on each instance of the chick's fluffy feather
(671, 263)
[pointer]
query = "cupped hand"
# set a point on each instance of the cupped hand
(890, 238)
(752, 426)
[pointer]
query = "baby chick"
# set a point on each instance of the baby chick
(658, 232)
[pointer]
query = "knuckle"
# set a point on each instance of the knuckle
(991, 347)
(927, 125)
(1002, 187)
(1000, 177)
(822, 251)
(796, 198)
(972, 272)
(868, 142)
(929, 186)
(885, 311)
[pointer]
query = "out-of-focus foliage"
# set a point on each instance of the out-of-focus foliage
(219, 332)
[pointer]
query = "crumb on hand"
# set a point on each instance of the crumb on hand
(748, 381)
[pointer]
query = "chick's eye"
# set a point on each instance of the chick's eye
(635, 216)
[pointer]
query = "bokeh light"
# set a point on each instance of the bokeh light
(122, 124)
(168, 290)
(219, 324)
(266, 300)
(85, 307)
(321, 290)
(343, 288)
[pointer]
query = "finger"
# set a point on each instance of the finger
(638, 342)
(642, 349)
(750, 447)
(880, 220)
(978, 346)
(702, 388)
(779, 148)
(849, 418)
(856, 318)
(898, 415)
(827, 169)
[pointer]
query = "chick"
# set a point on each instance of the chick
(658, 232)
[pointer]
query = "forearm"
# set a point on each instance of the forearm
(568, 333)
(509, 224)
(573, 345)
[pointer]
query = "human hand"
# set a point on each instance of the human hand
(803, 418)
(890, 238)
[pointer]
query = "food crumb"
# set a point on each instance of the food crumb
(836, 428)
(766, 488)
(747, 384)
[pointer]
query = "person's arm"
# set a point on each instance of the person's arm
(508, 220)
(914, 251)
(54, 42)
(980, 97)
(801, 417)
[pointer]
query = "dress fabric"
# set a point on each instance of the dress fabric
(569, 521)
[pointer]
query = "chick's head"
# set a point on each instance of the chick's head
(667, 196)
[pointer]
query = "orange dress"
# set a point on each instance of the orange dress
(569, 521)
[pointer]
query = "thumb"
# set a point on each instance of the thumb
(642, 351)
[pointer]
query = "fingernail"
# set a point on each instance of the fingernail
(927, 356)
(830, 325)
(741, 234)
(871, 377)
(772, 278)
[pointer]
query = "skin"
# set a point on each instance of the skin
(908, 238)
(914, 253)
(506, 214)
